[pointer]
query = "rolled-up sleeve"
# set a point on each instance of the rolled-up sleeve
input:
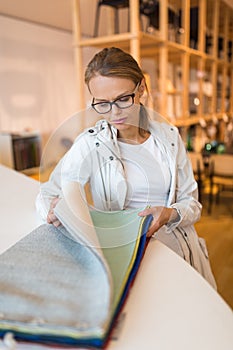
(74, 166)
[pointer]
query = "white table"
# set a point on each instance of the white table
(18, 214)
(170, 305)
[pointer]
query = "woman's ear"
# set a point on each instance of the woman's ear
(142, 87)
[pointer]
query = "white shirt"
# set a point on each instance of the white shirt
(147, 174)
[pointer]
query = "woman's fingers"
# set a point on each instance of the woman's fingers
(161, 216)
(146, 212)
(51, 218)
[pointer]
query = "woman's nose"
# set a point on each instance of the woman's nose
(116, 110)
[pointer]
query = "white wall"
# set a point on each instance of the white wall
(38, 80)
(37, 76)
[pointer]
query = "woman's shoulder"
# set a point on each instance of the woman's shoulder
(163, 127)
(159, 121)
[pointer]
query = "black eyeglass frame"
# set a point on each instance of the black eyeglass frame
(114, 102)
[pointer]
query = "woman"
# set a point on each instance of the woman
(130, 161)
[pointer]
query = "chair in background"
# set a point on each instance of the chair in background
(116, 5)
(198, 170)
(221, 176)
(148, 8)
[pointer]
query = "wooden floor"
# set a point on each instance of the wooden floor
(217, 229)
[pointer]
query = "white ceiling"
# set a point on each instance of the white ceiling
(55, 13)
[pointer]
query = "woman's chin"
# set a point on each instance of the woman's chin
(121, 126)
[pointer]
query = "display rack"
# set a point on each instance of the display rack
(193, 56)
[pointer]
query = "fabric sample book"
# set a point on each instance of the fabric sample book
(62, 286)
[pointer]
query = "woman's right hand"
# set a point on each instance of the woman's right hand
(51, 217)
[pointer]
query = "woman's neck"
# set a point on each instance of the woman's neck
(133, 136)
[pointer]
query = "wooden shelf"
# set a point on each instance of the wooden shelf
(194, 119)
(176, 60)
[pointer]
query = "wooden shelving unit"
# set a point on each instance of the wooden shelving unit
(194, 60)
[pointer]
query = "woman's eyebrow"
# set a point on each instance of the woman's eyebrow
(119, 96)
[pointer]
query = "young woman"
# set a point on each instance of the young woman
(130, 161)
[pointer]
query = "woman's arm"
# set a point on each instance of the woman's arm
(186, 194)
(184, 208)
(74, 166)
(49, 194)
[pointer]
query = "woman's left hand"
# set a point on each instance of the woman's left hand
(161, 216)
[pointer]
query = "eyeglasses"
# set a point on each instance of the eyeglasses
(122, 102)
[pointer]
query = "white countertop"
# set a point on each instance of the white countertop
(17, 197)
(170, 306)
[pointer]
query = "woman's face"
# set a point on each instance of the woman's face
(118, 90)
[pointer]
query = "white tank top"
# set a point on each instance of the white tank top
(147, 174)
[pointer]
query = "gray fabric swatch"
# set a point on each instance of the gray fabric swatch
(48, 280)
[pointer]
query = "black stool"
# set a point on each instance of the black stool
(116, 5)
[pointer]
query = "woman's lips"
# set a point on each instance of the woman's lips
(119, 121)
